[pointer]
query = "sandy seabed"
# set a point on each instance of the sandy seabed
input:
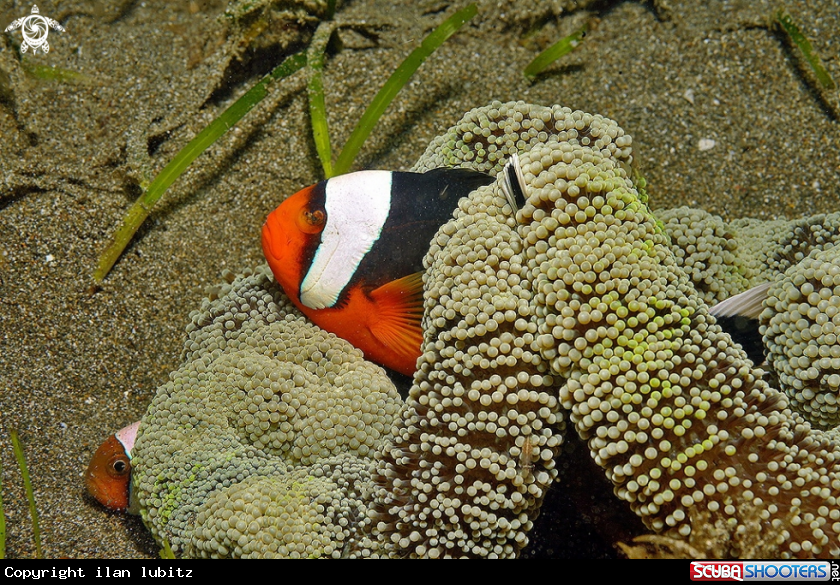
(725, 116)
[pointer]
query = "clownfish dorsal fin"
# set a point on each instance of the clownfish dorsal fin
(400, 304)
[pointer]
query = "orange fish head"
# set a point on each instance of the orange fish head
(108, 476)
(289, 234)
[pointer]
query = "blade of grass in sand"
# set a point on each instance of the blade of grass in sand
(48, 73)
(395, 83)
(2, 518)
(141, 208)
(166, 552)
(30, 495)
(823, 76)
(331, 4)
(562, 47)
(315, 89)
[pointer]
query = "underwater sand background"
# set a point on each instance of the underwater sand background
(77, 363)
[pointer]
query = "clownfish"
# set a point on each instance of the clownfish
(108, 477)
(349, 252)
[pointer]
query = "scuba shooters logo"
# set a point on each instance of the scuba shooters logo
(764, 571)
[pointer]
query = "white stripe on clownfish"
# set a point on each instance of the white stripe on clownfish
(357, 207)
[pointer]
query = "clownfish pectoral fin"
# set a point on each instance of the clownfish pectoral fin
(400, 309)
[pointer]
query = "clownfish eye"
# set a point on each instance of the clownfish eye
(312, 222)
(119, 467)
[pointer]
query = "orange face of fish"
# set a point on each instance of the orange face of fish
(109, 474)
(287, 233)
(384, 323)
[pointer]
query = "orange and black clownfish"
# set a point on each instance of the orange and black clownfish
(108, 476)
(349, 254)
